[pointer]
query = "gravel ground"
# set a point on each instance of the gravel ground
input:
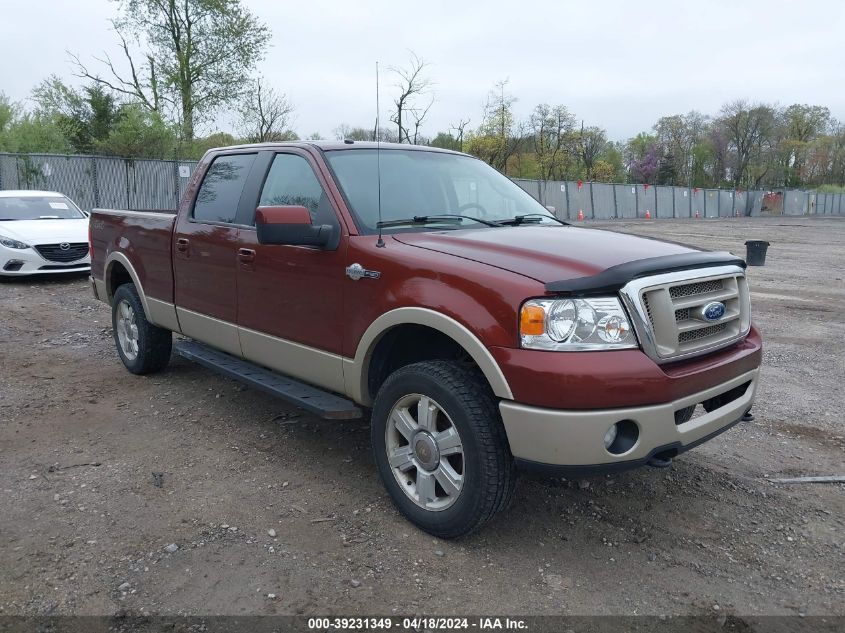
(186, 493)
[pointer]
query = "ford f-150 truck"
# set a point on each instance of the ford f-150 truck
(425, 289)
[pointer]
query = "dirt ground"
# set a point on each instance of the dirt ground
(163, 494)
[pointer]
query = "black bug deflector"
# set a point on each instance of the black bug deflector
(615, 277)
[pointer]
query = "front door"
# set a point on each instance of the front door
(290, 315)
(205, 249)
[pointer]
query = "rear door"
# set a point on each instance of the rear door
(205, 248)
(289, 297)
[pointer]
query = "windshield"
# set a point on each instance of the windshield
(38, 208)
(424, 184)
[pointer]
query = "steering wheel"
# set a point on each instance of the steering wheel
(473, 205)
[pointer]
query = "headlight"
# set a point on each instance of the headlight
(8, 242)
(575, 324)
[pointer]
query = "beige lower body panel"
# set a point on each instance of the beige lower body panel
(98, 287)
(163, 314)
(299, 361)
(576, 438)
(219, 334)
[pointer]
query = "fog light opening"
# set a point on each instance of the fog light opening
(621, 437)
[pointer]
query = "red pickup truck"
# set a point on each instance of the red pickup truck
(422, 287)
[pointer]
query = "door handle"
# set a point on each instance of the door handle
(246, 255)
(182, 244)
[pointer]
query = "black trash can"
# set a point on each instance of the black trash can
(755, 252)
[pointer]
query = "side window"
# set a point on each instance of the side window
(221, 188)
(291, 181)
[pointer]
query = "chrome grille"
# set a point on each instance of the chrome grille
(698, 288)
(63, 253)
(694, 335)
(671, 310)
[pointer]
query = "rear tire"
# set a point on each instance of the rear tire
(441, 448)
(143, 347)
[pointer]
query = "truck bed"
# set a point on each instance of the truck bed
(144, 238)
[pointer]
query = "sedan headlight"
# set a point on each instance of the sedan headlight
(8, 242)
(597, 323)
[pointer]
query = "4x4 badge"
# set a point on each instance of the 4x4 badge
(357, 271)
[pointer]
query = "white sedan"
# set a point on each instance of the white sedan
(42, 232)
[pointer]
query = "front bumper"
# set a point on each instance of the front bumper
(26, 261)
(572, 441)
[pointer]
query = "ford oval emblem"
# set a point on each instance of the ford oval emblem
(714, 311)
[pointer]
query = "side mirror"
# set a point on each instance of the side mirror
(550, 208)
(87, 214)
(290, 226)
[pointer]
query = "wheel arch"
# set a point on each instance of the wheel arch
(118, 269)
(357, 371)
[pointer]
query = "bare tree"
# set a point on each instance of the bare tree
(459, 128)
(412, 83)
(419, 114)
(265, 114)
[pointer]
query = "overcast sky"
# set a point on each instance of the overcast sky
(620, 65)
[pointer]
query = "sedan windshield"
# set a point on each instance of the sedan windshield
(422, 184)
(38, 208)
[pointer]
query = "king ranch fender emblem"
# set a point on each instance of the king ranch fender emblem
(356, 272)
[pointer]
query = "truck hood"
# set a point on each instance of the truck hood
(34, 232)
(544, 253)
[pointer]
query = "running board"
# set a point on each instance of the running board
(323, 403)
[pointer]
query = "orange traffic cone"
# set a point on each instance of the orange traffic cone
(647, 214)
(697, 215)
(580, 214)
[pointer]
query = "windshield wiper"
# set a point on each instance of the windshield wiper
(530, 218)
(443, 218)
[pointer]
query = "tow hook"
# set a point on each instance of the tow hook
(661, 460)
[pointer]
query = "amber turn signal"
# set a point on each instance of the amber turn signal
(532, 320)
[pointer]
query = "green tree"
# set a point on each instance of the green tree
(591, 144)
(186, 57)
(86, 116)
(551, 130)
(22, 131)
(802, 128)
(138, 133)
(199, 146)
(444, 140)
(747, 128)
(497, 138)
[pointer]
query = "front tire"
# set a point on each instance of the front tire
(441, 448)
(143, 347)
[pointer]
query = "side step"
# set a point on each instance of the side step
(326, 405)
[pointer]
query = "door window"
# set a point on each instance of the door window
(291, 181)
(220, 192)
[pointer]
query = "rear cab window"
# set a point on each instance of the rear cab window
(220, 192)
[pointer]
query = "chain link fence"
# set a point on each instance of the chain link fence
(124, 183)
(100, 181)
